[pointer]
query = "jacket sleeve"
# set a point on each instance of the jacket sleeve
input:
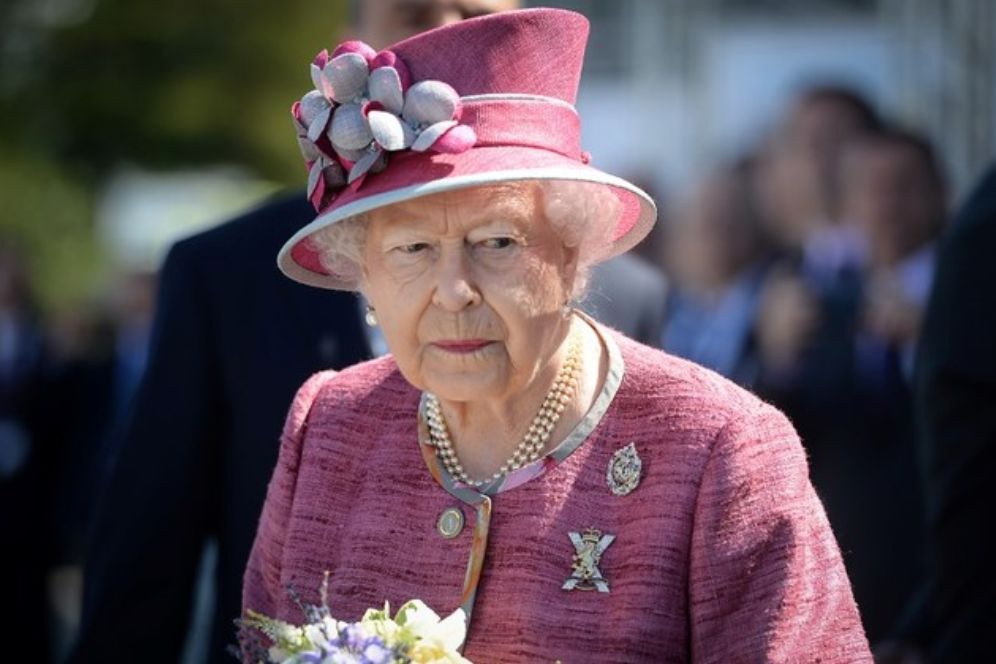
(263, 588)
(767, 583)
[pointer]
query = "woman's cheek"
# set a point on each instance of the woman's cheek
(405, 268)
(530, 292)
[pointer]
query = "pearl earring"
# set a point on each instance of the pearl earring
(370, 317)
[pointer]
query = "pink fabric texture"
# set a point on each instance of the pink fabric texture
(723, 553)
(537, 52)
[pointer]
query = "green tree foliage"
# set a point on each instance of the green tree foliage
(164, 84)
(46, 213)
(175, 83)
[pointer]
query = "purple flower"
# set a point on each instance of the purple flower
(353, 637)
(375, 652)
(352, 645)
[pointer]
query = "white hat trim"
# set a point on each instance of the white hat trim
(497, 96)
(292, 269)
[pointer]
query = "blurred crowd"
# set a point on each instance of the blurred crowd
(65, 384)
(801, 271)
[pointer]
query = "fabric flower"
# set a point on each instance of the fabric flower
(364, 106)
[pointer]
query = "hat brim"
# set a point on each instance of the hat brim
(411, 175)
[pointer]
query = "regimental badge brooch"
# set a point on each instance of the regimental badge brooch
(588, 549)
(625, 467)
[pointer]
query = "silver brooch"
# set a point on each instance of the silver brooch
(624, 471)
(588, 549)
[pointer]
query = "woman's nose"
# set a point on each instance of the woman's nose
(455, 287)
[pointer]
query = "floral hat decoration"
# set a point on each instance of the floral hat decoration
(482, 101)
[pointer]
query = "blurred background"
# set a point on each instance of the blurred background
(805, 154)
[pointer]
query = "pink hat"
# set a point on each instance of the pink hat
(478, 102)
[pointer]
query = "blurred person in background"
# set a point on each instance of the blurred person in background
(717, 256)
(800, 175)
(810, 300)
(189, 464)
(810, 304)
(232, 341)
(893, 190)
(836, 318)
(896, 195)
(132, 304)
(24, 501)
(93, 380)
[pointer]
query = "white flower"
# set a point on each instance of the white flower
(436, 640)
(363, 106)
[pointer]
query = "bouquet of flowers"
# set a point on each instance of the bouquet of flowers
(415, 635)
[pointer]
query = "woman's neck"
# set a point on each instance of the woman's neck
(485, 434)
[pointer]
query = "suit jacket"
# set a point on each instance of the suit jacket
(956, 417)
(233, 340)
(26, 459)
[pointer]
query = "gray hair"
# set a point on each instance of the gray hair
(583, 214)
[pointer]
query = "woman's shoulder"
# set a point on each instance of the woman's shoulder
(359, 378)
(367, 387)
(666, 383)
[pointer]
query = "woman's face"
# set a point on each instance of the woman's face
(469, 289)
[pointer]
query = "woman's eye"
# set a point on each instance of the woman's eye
(413, 248)
(498, 243)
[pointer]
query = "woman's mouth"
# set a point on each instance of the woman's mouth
(461, 346)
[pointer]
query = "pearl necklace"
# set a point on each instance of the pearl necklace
(532, 443)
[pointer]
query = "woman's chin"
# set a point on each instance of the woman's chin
(465, 383)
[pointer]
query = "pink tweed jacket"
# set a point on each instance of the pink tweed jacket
(723, 552)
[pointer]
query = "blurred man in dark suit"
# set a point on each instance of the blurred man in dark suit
(232, 341)
(24, 498)
(893, 190)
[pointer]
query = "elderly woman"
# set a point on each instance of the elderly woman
(582, 497)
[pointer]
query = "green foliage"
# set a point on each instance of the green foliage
(167, 84)
(178, 83)
(48, 214)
